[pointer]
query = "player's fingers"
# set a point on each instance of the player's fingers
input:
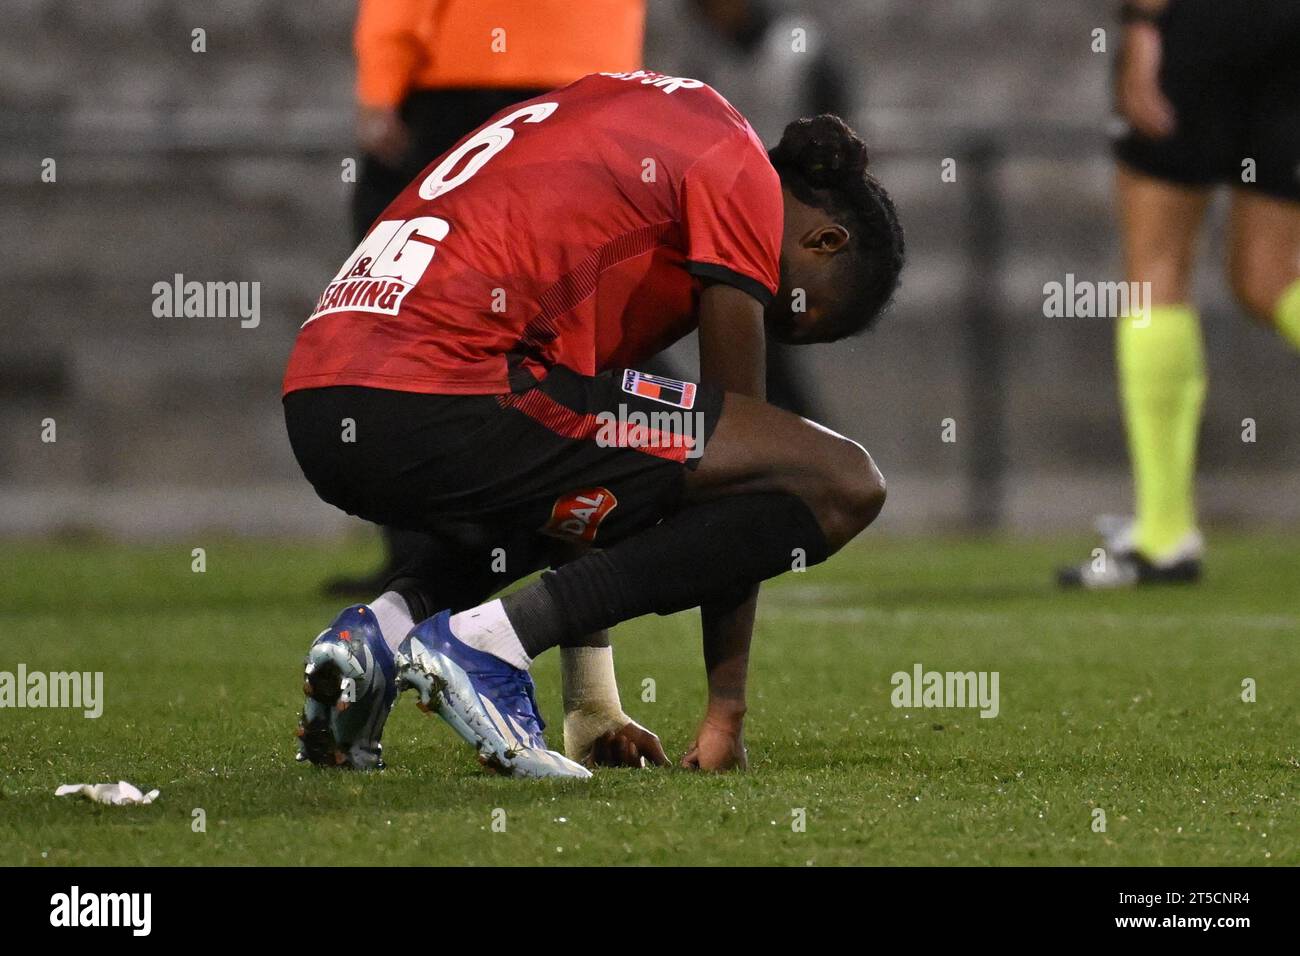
(612, 749)
(1151, 122)
(651, 749)
(1151, 114)
(602, 754)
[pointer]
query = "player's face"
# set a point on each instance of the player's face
(800, 312)
(809, 294)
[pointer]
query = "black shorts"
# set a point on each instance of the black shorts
(1231, 69)
(574, 460)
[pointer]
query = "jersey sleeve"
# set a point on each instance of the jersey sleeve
(732, 216)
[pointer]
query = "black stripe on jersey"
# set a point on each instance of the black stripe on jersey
(717, 273)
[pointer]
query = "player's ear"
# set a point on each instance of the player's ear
(826, 239)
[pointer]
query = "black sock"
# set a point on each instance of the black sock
(418, 595)
(535, 616)
(717, 546)
(540, 624)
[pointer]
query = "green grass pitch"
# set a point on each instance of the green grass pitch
(1130, 703)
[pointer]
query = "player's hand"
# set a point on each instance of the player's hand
(1138, 96)
(629, 746)
(382, 134)
(719, 745)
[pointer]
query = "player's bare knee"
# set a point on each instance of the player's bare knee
(865, 490)
(857, 493)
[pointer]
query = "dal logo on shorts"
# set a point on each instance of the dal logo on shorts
(577, 516)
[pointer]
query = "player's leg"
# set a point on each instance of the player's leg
(760, 449)
(350, 676)
(1161, 370)
(770, 492)
(459, 566)
(1163, 186)
(354, 673)
(390, 458)
(1264, 251)
(502, 722)
(1264, 260)
(463, 567)
(572, 458)
(1160, 358)
(349, 679)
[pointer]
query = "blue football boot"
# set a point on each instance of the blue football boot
(350, 684)
(487, 701)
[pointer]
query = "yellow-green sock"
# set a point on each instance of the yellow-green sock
(1162, 389)
(1288, 314)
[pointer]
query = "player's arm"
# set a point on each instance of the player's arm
(728, 627)
(1138, 96)
(733, 349)
(732, 357)
(597, 732)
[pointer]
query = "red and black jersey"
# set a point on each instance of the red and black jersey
(572, 229)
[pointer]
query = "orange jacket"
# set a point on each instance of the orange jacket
(403, 45)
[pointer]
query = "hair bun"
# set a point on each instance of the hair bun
(823, 150)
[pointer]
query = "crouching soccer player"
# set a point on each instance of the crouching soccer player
(470, 373)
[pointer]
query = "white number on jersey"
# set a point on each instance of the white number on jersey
(394, 255)
(489, 141)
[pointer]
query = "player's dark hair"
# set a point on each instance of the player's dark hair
(824, 163)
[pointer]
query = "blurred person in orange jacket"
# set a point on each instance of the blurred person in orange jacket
(430, 71)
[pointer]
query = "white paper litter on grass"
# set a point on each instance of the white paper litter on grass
(120, 794)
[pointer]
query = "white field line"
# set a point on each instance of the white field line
(777, 605)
